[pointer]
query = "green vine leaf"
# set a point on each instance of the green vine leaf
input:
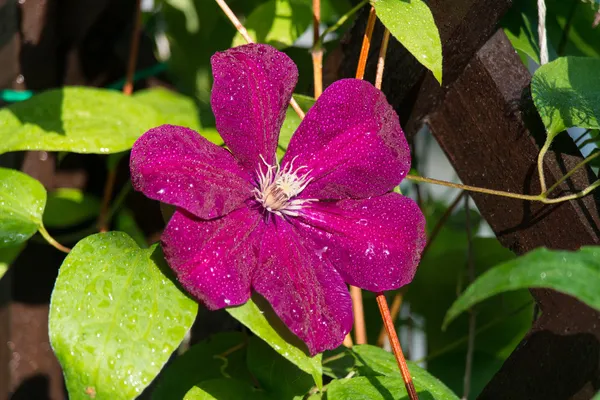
(376, 388)
(22, 203)
(67, 207)
(75, 119)
(224, 389)
(411, 22)
(574, 273)
(173, 108)
(376, 361)
(276, 22)
(566, 93)
(258, 316)
(115, 317)
(221, 356)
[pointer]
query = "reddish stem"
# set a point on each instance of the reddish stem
(366, 44)
(389, 326)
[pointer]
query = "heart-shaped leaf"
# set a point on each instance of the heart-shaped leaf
(22, 202)
(115, 317)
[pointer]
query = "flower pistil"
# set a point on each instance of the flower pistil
(278, 187)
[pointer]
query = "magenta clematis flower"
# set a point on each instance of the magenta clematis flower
(298, 231)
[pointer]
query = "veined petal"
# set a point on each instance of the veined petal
(375, 243)
(177, 166)
(304, 289)
(214, 260)
(252, 87)
(352, 141)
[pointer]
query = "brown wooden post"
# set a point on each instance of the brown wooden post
(484, 120)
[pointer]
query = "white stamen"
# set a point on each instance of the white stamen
(278, 186)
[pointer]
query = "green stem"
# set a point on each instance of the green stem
(574, 196)
(540, 162)
(51, 240)
(319, 44)
(571, 172)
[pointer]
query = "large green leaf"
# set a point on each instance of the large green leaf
(258, 316)
(173, 108)
(381, 362)
(277, 376)
(375, 388)
(574, 273)
(75, 119)
(115, 317)
(224, 389)
(277, 22)
(22, 202)
(221, 356)
(566, 93)
(411, 22)
(68, 207)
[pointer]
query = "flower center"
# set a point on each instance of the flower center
(278, 186)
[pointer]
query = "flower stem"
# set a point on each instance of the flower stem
(475, 188)
(381, 61)
(395, 310)
(389, 326)
(133, 50)
(108, 190)
(127, 90)
(360, 329)
(318, 44)
(540, 163)
(317, 53)
(42, 230)
(366, 44)
(240, 28)
(472, 316)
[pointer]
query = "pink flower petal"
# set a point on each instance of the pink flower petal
(305, 290)
(352, 141)
(177, 166)
(375, 243)
(253, 85)
(214, 260)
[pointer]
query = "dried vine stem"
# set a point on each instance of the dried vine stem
(240, 28)
(317, 52)
(360, 330)
(388, 320)
(109, 185)
(389, 326)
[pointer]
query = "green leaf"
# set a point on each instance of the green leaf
(566, 93)
(384, 363)
(276, 22)
(258, 316)
(224, 389)
(173, 108)
(277, 376)
(7, 256)
(375, 388)
(115, 317)
(574, 273)
(75, 119)
(67, 207)
(221, 356)
(22, 202)
(411, 22)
